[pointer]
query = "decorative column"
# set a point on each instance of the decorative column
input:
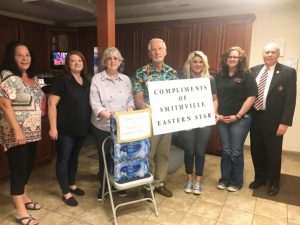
(105, 25)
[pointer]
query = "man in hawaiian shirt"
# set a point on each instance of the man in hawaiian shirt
(160, 144)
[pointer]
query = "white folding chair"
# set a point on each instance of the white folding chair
(123, 186)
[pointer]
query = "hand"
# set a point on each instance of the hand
(145, 106)
(129, 109)
(282, 128)
(105, 115)
(20, 138)
(229, 119)
(53, 134)
(217, 117)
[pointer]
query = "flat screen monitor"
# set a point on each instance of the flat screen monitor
(57, 59)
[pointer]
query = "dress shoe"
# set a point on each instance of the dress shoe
(77, 191)
(273, 190)
(257, 184)
(164, 191)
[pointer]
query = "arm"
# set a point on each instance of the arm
(244, 109)
(289, 104)
(9, 113)
(139, 100)
(52, 115)
(95, 100)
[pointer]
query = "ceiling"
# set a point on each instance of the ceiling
(82, 12)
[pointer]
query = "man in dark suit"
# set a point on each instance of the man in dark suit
(273, 112)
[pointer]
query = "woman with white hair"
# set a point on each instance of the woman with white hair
(111, 91)
(194, 141)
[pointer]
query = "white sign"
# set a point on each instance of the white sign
(181, 104)
(133, 126)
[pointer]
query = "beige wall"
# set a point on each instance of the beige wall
(280, 23)
(273, 21)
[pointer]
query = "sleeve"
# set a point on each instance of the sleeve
(130, 97)
(9, 87)
(58, 87)
(290, 99)
(213, 85)
(95, 98)
(251, 86)
(137, 85)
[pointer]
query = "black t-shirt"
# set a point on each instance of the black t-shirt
(73, 109)
(233, 91)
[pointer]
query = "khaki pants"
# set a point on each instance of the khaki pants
(159, 157)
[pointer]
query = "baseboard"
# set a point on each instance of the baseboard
(284, 152)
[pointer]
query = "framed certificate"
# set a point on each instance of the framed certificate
(133, 126)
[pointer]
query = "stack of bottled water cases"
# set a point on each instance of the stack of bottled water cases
(129, 161)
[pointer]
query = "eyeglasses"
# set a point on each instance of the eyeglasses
(232, 57)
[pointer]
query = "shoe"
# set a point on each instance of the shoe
(256, 184)
(32, 206)
(70, 201)
(273, 190)
(122, 193)
(147, 194)
(221, 186)
(28, 220)
(197, 188)
(233, 188)
(77, 191)
(188, 186)
(164, 191)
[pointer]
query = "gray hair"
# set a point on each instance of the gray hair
(112, 51)
(273, 45)
(159, 40)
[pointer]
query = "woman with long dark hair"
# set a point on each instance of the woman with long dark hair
(20, 124)
(237, 91)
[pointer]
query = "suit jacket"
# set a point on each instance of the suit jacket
(281, 97)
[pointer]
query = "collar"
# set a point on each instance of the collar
(106, 77)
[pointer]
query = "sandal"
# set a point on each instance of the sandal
(29, 218)
(28, 205)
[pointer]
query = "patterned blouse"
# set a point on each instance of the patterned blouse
(26, 102)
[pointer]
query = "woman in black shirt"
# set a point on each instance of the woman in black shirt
(237, 91)
(69, 116)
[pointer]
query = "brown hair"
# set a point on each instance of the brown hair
(242, 65)
(67, 70)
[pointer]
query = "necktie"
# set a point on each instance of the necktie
(258, 104)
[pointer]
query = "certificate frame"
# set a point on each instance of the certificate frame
(133, 126)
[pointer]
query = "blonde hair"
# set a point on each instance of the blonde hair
(187, 64)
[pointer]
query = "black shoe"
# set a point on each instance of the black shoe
(77, 191)
(164, 191)
(273, 190)
(257, 184)
(147, 194)
(70, 201)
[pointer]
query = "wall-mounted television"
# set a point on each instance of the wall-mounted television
(57, 59)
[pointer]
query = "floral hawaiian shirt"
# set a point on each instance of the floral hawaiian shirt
(148, 73)
(26, 102)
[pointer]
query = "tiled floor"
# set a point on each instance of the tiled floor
(211, 207)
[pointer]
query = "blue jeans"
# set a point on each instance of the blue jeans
(232, 157)
(67, 160)
(194, 143)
